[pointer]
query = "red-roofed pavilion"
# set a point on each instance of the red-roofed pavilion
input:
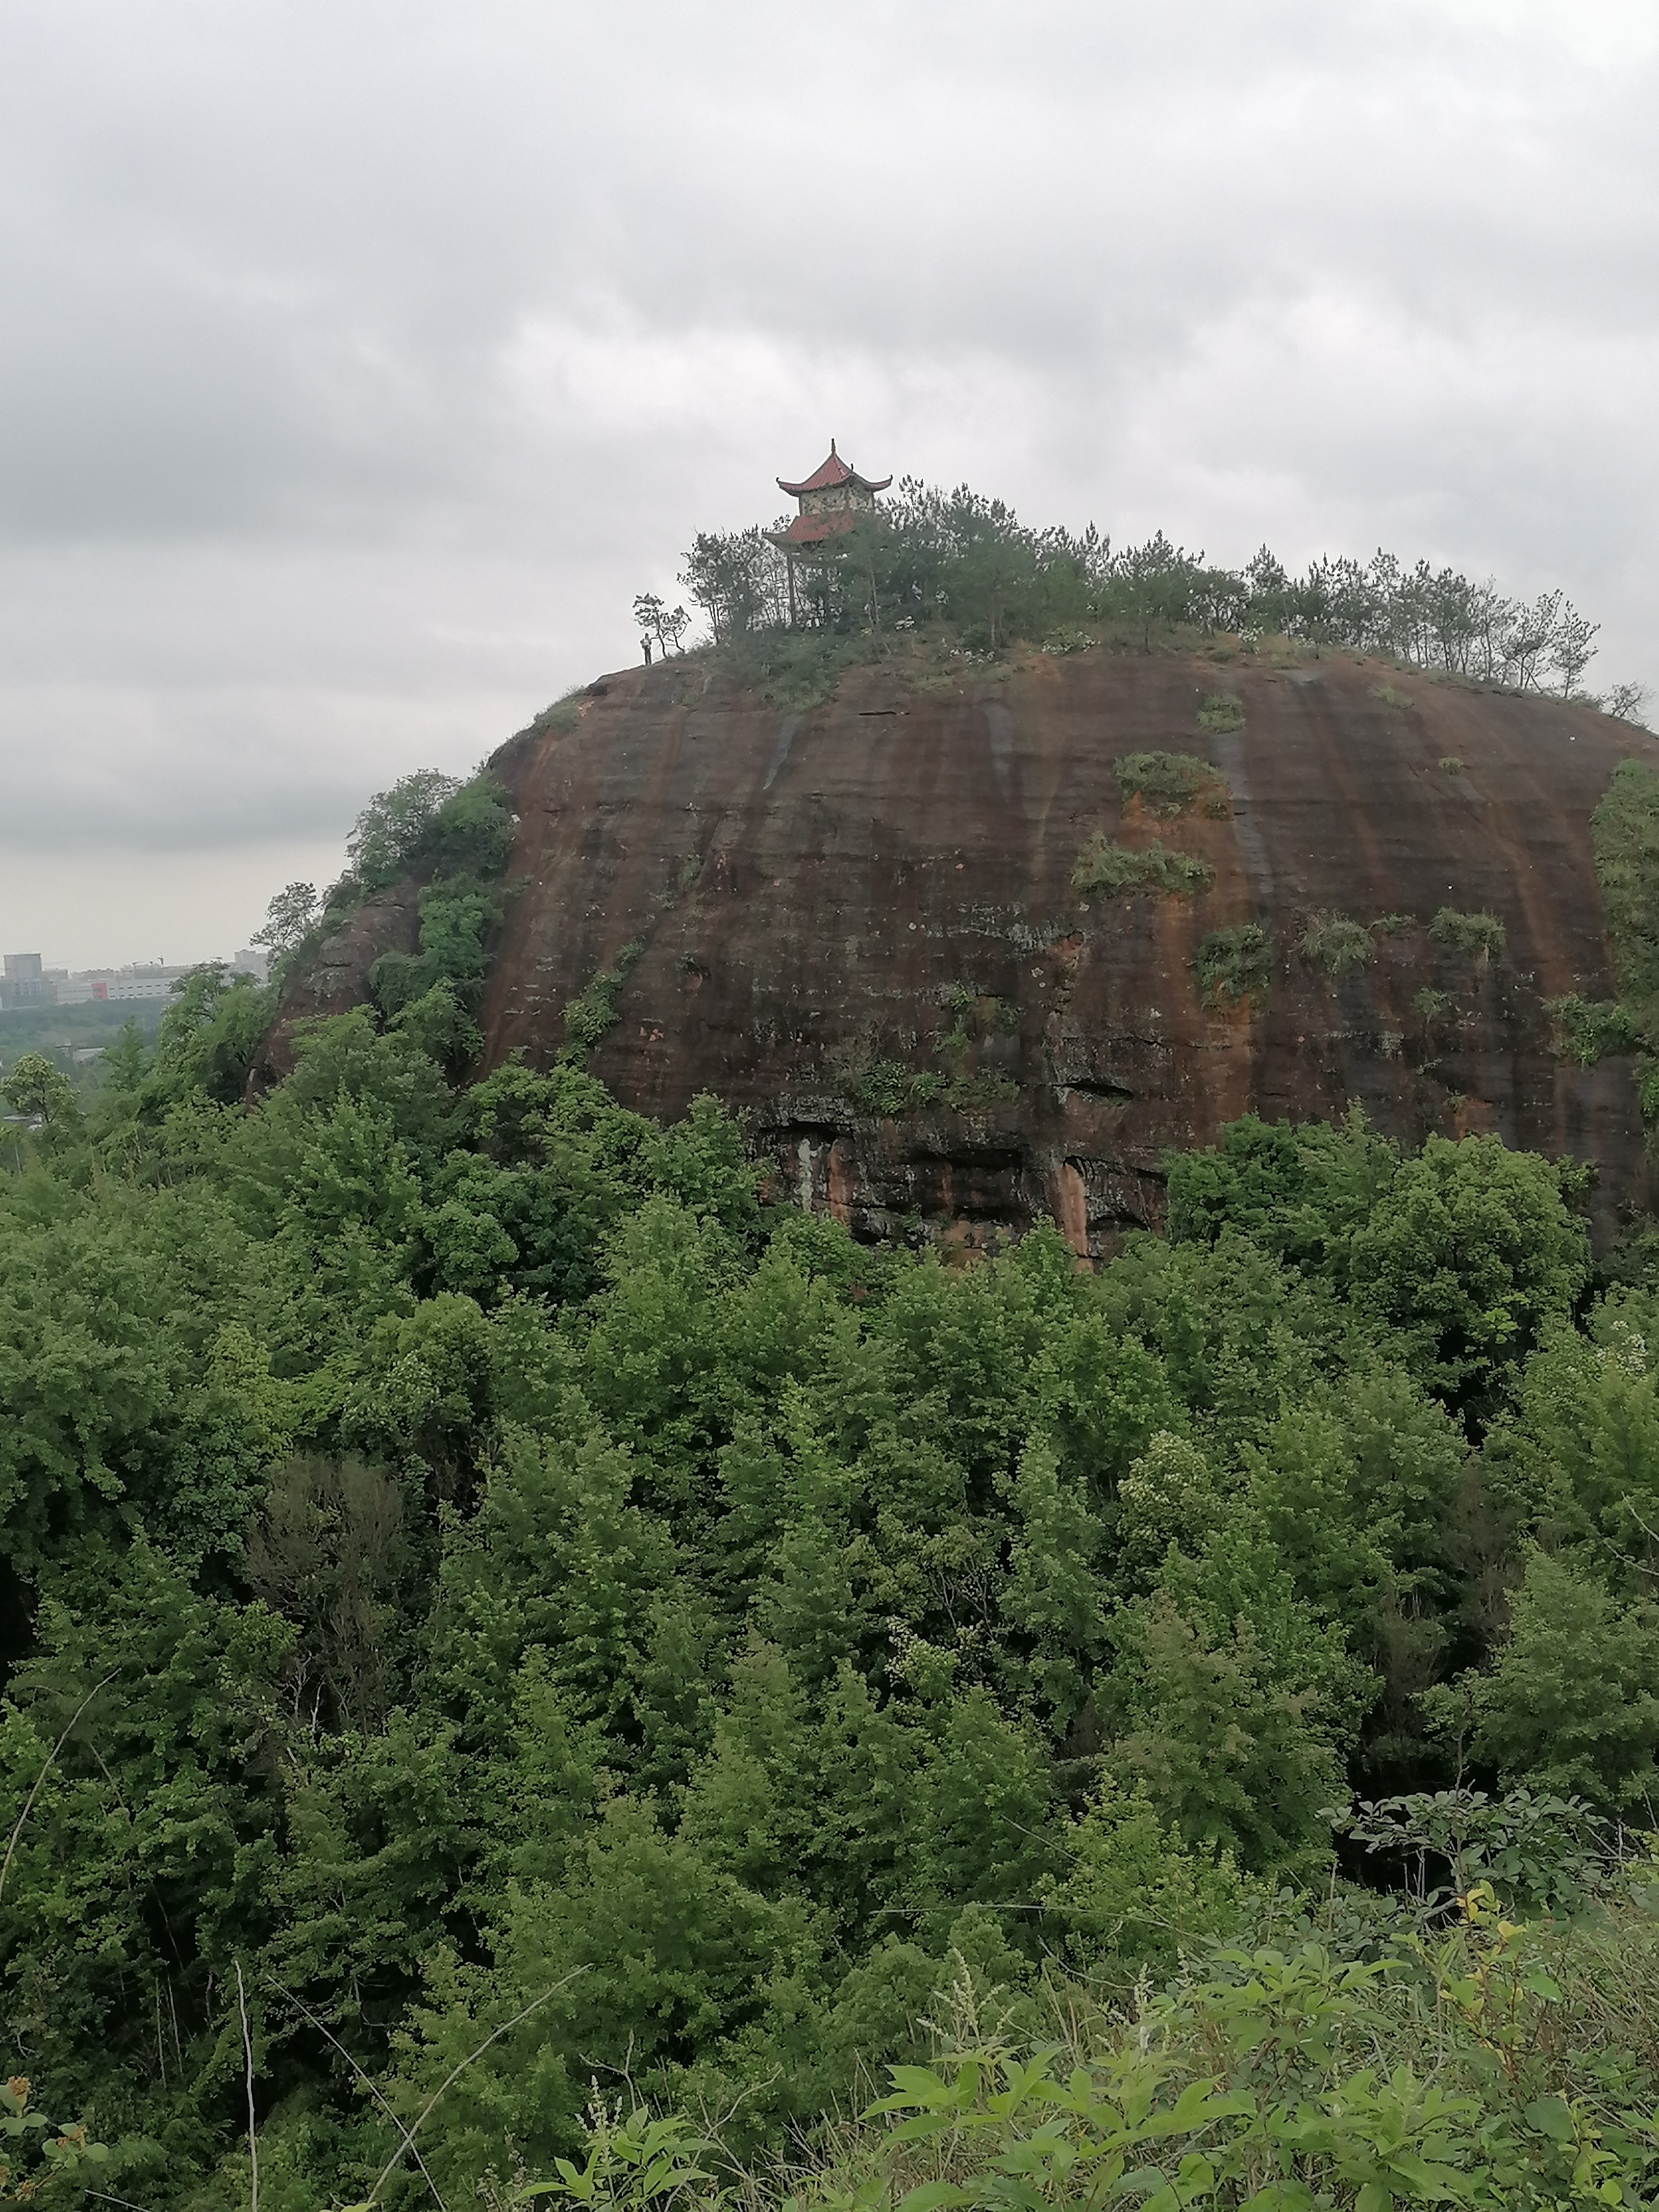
(830, 501)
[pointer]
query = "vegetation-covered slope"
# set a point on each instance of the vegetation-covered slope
(475, 1568)
(533, 1667)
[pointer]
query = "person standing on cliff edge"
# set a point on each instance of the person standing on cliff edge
(645, 648)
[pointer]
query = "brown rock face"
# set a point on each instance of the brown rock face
(338, 979)
(832, 902)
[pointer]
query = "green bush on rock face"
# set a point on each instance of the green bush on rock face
(456, 829)
(1481, 934)
(885, 1090)
(1169, 783)
(1233, 965)
(1105, 870)
(592, 1015)
(459, 921)
(1624, 837)
(1336, 943)
(1585, 1031)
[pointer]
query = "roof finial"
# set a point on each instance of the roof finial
(832, 448)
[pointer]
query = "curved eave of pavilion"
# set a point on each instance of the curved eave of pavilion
(813, 529)
(829, 476)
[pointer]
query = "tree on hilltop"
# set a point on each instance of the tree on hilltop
(288, 918)
(667, 625)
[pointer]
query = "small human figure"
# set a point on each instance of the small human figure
(645, 648)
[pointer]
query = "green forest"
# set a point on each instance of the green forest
(533, 1671)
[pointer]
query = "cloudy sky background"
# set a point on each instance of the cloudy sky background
(361, 359)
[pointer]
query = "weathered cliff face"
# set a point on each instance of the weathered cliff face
(338, 978)
(828, 902)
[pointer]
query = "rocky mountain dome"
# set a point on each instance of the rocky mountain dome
(972, 949)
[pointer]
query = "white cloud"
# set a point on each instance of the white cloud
(361, 358)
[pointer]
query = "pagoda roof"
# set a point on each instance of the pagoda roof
(811, 529)
(830, 473)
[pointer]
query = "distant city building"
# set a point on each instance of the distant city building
(136, 986)
(25, 983)
(145, 979)
(28, 982)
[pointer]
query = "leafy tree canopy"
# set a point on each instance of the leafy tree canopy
(960, 565)
(474, 1571)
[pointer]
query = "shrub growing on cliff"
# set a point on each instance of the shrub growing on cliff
(1105, 869)
(458, 924)
(389, 831)
(1336, 943)
(593, 1014)
(1233, 965)
(1169, 783)
(886, 1091)
(434, 821)
(454, 838)
(973, 1014)
(1481, 934)
(1585, 1031)
(1220, 713)
(1625, 834)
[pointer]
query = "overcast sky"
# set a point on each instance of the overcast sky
(361, 359)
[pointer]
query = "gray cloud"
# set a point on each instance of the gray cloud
(361, 358)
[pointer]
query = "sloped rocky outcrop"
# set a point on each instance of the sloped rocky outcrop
(858, 923)
(337, 977)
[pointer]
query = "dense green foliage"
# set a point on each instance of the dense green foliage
(1588, 1029)
(1625, 831)
(1234, 966)
(963, 570)
(474, 1571)
(454, 828)
(70, 1037)
(447, 839)
(454, 838)
(1625, 834)
(1490, 2064)
(1624, 837)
